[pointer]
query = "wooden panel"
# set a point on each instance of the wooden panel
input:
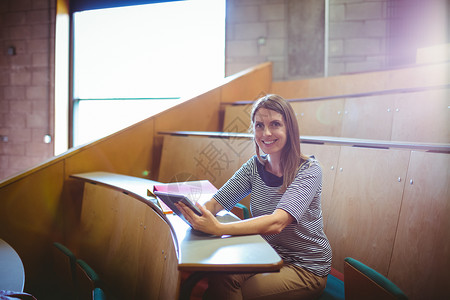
(366, 203)
(319, 117)
(368, 118)
(126, 152)
(358, 284)
(433, 54)
(29, 219)
(248, 85)
(348, 84)
(128, 244)
(422, 117)
(237, 118)
(293, 89)
(420, 258)
(199, 113)
(328, 157)
(156, 239)
(199, 158)
(419, 76)
(202, 158)
(322, 118)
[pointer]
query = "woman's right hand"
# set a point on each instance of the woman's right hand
(207, 222)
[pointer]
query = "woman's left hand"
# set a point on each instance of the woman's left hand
(207, 222)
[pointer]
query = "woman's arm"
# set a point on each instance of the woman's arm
(267, 224)
(213, 206)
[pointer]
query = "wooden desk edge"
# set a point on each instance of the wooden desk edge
(244, 268)
(90, 177)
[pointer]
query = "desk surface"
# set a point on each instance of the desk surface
(202, 252)
(12, 273)
(198, 251)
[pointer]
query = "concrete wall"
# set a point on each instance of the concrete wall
(357, 36)
(289, 33)
(363, 35)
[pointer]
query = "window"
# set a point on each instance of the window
(133, 62)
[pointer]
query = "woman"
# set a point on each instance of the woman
(285, 188)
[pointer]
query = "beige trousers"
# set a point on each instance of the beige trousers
(290, 283)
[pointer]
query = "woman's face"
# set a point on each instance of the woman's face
(270, 131)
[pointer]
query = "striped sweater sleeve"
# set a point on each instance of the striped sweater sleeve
(237, 187)
(299, 196)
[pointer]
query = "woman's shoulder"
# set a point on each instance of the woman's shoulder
(252, 160)
(251, 163)
(311, 163)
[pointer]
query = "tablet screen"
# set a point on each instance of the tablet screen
(170, 200)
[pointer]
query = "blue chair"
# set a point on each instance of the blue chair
(245, 211)
(98, 294)
(334, 290)
(87, 280)
(363, 282)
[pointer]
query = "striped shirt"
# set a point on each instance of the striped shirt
(303, 242)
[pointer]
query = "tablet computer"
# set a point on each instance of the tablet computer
(170, 199)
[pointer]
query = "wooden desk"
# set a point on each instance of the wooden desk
(197, 252)
(12, 273)
(203, 254)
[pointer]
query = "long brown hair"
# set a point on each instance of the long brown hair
(291, 155)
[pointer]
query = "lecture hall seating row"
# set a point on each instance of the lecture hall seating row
(408, 115)
(50, 202)
(386, 206)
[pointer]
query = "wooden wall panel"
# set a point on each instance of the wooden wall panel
(331, 86)
(319, 118)
(415, 76)
(347, 84)
(129, 152)
(420, 258)
(328, 157)
(293, 89)
(419, 76)
(128, 244)
(368, 117)
(199, 113)
(366, 203)
(29, 216)
(248, 85)
(422, 117)
(202, 158)
(237, 118)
